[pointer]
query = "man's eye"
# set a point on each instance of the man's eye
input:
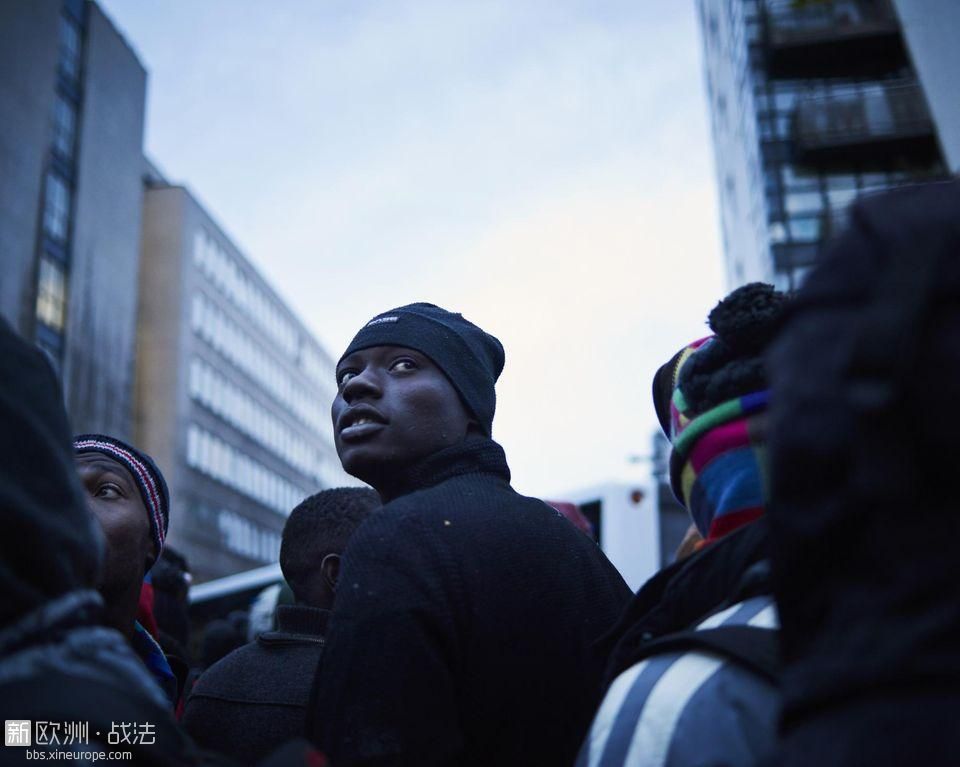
(403, 366)
(108, 491)
(345, 376)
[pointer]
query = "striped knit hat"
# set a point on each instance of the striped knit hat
(711, 401)
(149, 479)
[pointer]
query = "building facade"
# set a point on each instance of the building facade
(72, 96)
(233, 393)
(814, 102)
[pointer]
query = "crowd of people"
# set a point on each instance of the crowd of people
(441, 618)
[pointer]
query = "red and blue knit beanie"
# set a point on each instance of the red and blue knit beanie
(149, 479)
(711, 400)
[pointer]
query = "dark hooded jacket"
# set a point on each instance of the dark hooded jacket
(865, 523)
(56, 663)
(464, 625)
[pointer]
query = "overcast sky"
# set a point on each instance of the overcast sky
(544, 167)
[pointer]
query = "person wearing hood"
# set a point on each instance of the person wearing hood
(127, 494)
(865, 523)
(692, 671)
(57, 661)
(464, 625)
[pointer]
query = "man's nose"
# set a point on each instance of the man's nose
(366, 383)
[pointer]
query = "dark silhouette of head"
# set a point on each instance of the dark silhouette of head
(314, 539)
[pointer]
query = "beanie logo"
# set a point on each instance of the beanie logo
(381, 320)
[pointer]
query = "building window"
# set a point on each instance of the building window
(51, 294)
(64, 127)
(69, 47)
(56, 207)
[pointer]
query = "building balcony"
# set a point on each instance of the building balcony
(878, 121)
(832, 38)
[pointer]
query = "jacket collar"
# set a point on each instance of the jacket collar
(721, 574)
(153, 657)
(302, 619)
(479, 455)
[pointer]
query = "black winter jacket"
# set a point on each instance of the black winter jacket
(255, 699)
(865, 521)
(465, 625)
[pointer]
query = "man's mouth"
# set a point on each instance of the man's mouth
(355, 426)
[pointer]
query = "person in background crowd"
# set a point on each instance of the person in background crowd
(222, 636)
(573, 514)
(256, 698)
(127, 494)
(693, 669)
(171, 579)
(464, 628)
(865, 525)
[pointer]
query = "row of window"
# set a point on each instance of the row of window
(240, 409)
(209, 454)
(64, 126)
(51, 305)
(222, 270)
(69, 47)
(56, 207)
(224, 335)
(243, 537)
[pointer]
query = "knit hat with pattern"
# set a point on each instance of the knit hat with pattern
(149, 479)
(711, 399)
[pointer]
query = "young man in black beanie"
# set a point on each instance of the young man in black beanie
(464, 626)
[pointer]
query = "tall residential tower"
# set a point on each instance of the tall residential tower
(814, 102)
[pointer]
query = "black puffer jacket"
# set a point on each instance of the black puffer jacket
(865, 522)
(464, 627)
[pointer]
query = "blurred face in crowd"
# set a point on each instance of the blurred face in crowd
(393, 408)
(113, 498)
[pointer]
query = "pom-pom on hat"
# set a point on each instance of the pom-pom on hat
(471, 358)
(707, 399)
(149, 479)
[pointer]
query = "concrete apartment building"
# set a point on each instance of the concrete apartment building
(162, 331)
(71, 153)
(233, 392)
(814, 102)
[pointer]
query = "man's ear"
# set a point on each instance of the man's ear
(330, 567)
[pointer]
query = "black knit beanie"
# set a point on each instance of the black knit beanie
(471, 358)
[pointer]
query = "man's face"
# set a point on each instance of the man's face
(113, 498)
(393, 407)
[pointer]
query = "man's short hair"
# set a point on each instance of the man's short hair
(321, 525)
